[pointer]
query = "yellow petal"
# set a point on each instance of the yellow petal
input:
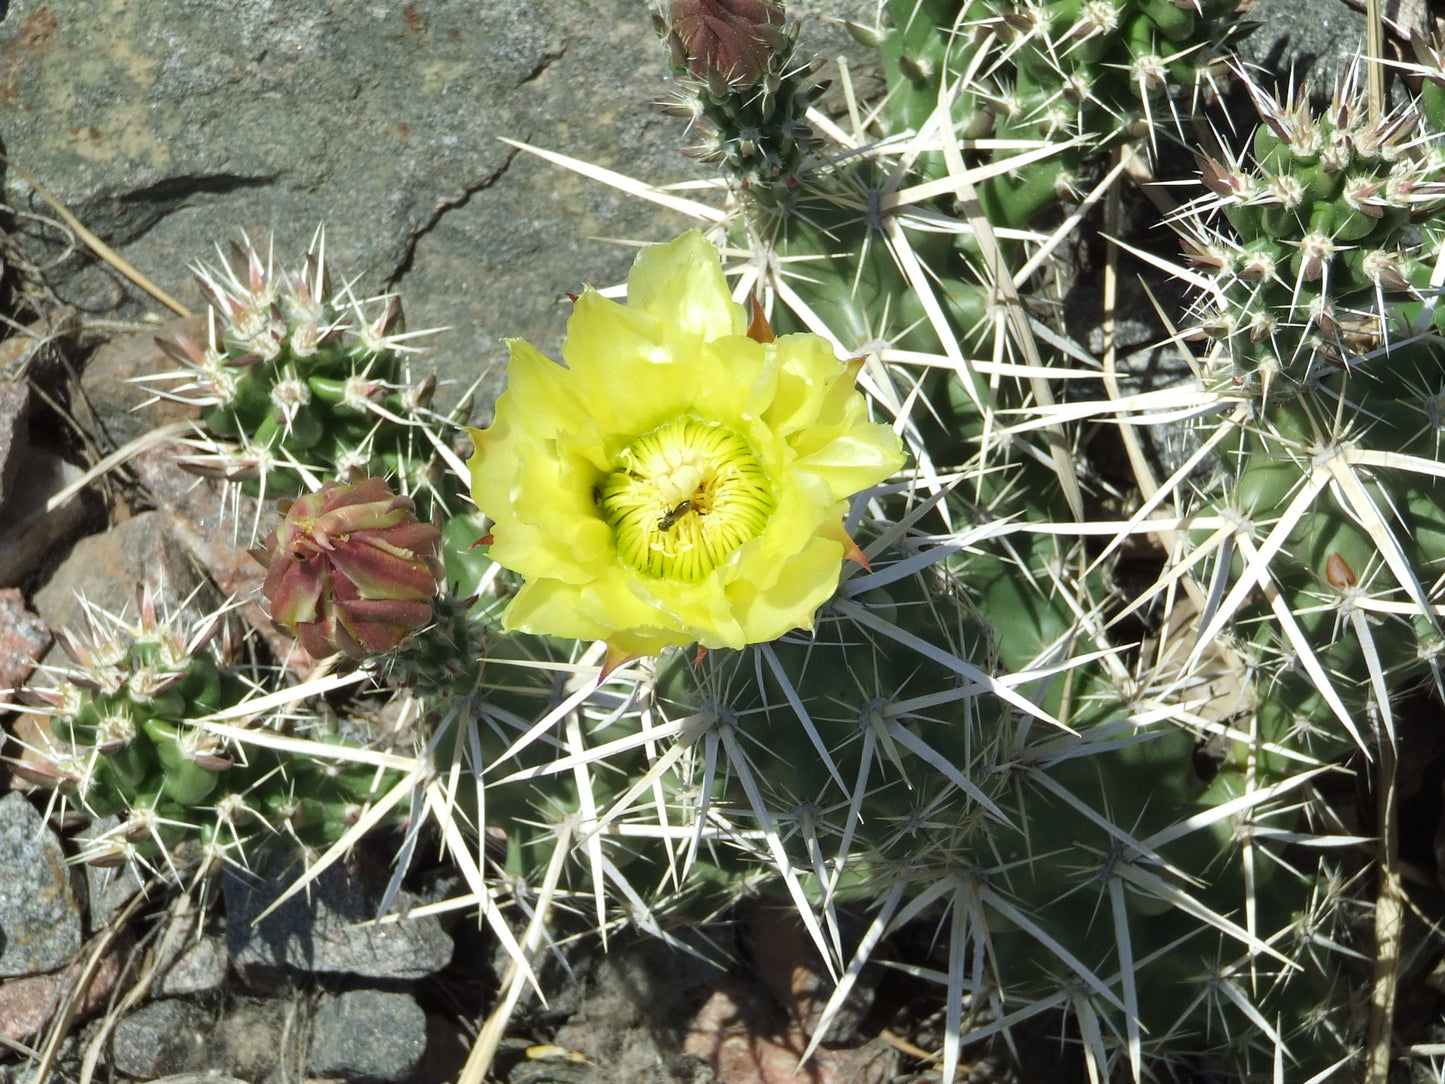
(806, 581)
(636, 374)
(682, 284)
(808, 376)
(677, 351)
(858, 460)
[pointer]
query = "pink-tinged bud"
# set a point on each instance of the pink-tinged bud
(349, 569)
(731, 41)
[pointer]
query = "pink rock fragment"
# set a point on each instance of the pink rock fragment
(28, 1004)
(737, 1036)
(23, 639)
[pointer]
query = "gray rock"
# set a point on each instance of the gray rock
(171, 125)
(625, 1013)
(254, 1039)
(500, 263)
(126, 406)
(328, 928)
(181, 1041)
(14, 419)
(29, 533)
(39, 914)
(23, 638)
(107, 568)
(1314, 39)
(199, 966)
(367, 1037)
(163, 1037)
(108, 888)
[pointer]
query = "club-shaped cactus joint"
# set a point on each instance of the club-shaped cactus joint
(302, 383)
(129, 738)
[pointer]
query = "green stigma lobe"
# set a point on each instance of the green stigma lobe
(683, 497)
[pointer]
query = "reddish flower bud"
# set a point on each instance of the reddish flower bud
(733, 40)
(349, 569)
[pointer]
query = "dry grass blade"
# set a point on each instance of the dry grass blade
(121, 455)
(1143, 473)
(1389, 921)
(484, 1050)
(1375, 47)
(175, 928)
(96, 245)
(101, 945)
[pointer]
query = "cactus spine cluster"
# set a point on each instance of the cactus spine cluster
(302, 384)
(130, 740)
(741, 89)
(1319, 256)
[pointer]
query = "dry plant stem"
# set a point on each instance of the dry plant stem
(27, 1052)
(903, 1046)
(99, 247)
(121, 455)
(175, 928)
(22, 348)
(1375, 45)
(484, 1050)
(1142, 173)
(1389, 918)
(1113, 219)
(1070, 224)
(60, 1027)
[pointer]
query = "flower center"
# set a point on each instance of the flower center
(682, 498)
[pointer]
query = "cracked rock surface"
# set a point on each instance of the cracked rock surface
(173, 125)
(170, 126)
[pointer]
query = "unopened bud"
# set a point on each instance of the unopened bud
(728, 40)
(349, 569)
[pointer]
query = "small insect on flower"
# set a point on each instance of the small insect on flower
(683, 508)
(683, 478)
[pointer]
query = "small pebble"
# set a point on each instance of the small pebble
(368, 1037)
(39, 913)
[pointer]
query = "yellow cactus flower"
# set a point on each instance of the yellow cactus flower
(682, 478)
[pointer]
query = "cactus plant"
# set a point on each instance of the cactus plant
(302, 383)
(129, 722)
(1320, 315)
(973, 722)
(1168, 969)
